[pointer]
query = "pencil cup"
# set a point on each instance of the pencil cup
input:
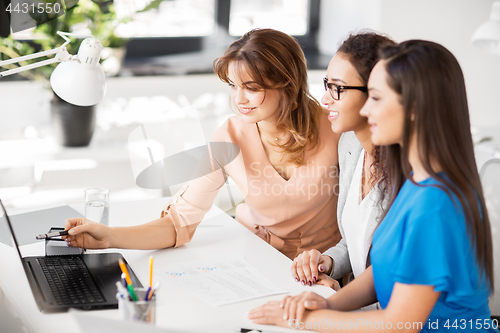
(140, 310)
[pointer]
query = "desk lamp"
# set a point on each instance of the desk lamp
(78, 79)
(487, 36)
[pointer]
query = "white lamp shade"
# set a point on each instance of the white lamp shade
(78, 85)
(487, 36)
(81, 81)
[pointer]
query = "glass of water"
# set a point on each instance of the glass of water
(97, 205)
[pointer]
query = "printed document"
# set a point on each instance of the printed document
(221, 281)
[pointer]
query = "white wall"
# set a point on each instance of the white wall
(448, 22)
(339, 17)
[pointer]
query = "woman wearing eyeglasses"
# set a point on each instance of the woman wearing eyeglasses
(363, 182)
(285, 163)
(432, 258)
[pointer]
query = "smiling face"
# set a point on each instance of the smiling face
(383, 109)
(254, 103)
(344, 114)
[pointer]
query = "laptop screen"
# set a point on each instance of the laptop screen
(4, 218)
(30, 224)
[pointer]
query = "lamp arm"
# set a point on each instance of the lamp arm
(61, 55)
(27, 67)
(64, 34)
(30, 56)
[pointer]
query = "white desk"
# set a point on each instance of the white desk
(177, 310)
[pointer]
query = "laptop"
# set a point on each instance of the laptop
(85, 281)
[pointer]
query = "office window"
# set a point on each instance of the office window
(173, 18)
(289, 16)
(204, 26)
(196, 18)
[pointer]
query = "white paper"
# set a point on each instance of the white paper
(221, 281)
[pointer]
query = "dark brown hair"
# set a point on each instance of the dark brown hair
(274, 60)
(431, 85)
(363, 51)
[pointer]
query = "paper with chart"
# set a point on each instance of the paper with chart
(221, 281)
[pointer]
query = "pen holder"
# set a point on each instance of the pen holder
(141, 310)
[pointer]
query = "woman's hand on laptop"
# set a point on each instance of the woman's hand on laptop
(87, 234)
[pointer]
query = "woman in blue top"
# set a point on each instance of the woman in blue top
(432, 260)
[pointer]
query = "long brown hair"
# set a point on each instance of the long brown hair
(431, 85)
(362, 50)
(274, 60)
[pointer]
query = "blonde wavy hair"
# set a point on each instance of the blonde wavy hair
(274, 60)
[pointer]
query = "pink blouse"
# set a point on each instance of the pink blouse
(293, 216)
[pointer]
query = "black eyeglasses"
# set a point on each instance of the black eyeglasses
(336, 90)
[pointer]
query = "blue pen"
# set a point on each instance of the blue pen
(146, 298)
(124, 280)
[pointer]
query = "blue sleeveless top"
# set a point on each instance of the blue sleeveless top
(423, 240)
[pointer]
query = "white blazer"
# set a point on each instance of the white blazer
(349, 151)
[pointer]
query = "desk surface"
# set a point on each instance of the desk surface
(177, 310)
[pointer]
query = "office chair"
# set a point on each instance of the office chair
(490, 179)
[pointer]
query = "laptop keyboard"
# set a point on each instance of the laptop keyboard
(70, 281)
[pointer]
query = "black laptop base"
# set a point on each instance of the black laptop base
(57, 288)
(93, 291)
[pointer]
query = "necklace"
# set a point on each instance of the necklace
(261, 133)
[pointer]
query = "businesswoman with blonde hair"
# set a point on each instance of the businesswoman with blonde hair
(432, 259)
(285, 167)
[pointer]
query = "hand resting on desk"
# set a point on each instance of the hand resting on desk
(289, 310)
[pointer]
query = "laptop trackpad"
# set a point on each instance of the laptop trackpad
(105, 269)
(103, 263)
(106, 280)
